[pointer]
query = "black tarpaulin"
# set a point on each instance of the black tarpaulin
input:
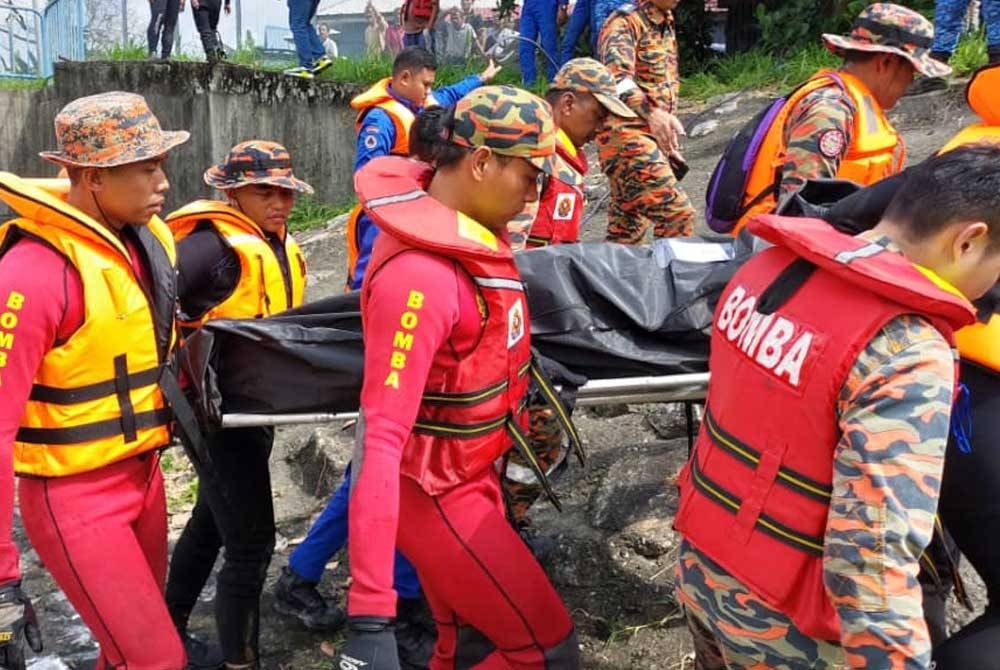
(602, 310)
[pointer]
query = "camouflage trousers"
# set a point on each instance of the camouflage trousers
(644, 192)
(735, 630)
(520, 486)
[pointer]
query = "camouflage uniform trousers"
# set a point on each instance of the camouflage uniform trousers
(520, 486)
(644, 191)
(749, 639)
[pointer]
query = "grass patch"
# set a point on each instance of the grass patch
(756, 70)
(23, 83)
(309, 213)
(970, 55)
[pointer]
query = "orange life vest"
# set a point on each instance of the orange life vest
(96, 398)
(402, 119)
(981, 342)
(876, 150)
(470, 411)
(262, 289)
(755, 494)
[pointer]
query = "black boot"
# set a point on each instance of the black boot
(415, 634)
(299, 598)
(201, 655)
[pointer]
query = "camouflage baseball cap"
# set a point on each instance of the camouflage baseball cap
(256, 162)
(890, 28)
(110, 129)
(587, 75)
(511, 122)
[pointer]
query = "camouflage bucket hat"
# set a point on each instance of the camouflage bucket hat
(110, 129)
(890, 28)
(587, 75)
(511, 122)
(256, 162)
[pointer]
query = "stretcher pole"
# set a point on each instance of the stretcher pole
(635, 390)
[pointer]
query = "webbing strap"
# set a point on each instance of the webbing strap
(78, 394)
(122, 392)
(548, 392)
(89, 432)
(523, 447)
(779, 531)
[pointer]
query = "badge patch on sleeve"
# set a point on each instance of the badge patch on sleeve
(515, 324)
(565, 204)
(371, 142)
(831, 143)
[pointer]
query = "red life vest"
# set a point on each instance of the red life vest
(469, 408)
(561, 208)
(754, 496)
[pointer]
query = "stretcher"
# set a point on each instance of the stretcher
(625, 324)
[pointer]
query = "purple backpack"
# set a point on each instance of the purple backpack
(727, 189)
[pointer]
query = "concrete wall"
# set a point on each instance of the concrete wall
(219, 105)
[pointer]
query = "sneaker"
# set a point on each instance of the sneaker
(321, 64)
(300, 72)
(201, 655)
(923, 85)
(298, 598)
(416, 634)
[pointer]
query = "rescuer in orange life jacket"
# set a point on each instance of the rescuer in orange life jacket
(812, 488)
(236, 260)
(88, 294)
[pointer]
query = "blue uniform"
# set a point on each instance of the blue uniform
(538, 22)
(949, 19)
(377, 137)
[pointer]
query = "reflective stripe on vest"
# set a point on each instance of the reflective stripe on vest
(262, 289)
(876, 150)
(95, 398)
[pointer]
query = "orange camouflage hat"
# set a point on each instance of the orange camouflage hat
(890, 28)
(256, 162)
(110, 129)
(586, 75)
(511, 122)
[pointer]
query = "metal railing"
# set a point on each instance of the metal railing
(31, 41)
(63, 32)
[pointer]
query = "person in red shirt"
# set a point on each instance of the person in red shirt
(88, 289)
(447, 358)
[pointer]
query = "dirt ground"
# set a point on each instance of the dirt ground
(615, 548)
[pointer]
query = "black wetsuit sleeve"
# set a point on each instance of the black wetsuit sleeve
(208, 270)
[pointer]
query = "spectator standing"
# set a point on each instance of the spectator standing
(329, 44)
(206, 21)
(374, 33)
(308, 46)
(539, 20)
(418, 18)
(461, 38)
(394, 37)
(162, 23)
(579, 19)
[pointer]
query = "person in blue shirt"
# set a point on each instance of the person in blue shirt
(385, 113)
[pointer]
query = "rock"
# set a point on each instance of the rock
(650, 538)
(727, 108)
(318, 472)
(668, 421)
(636, 487)
(704, 128)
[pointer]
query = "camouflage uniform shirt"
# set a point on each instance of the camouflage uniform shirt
(826, 113)
(893, 412)
(639, 46)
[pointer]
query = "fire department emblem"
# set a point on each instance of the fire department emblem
(565, 204)
(515, 324)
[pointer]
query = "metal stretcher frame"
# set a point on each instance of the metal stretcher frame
(636, 390)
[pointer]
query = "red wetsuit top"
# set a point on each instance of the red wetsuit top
(52, 310)
(449, 328)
